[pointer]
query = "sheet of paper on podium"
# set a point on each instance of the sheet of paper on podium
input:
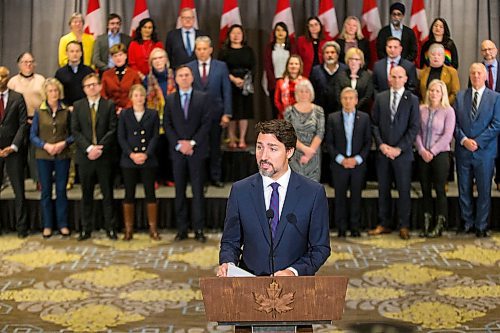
(235, 271)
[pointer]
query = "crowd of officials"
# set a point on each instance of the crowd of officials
(158, 110)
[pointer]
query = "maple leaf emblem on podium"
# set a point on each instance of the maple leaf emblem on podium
(274, 302)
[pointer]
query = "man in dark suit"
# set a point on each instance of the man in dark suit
(476, 135)
(296, 220)
(489, 52)
(348, 140)
(383, 66)
(323, 78)
(187, 125)
(212, 77)
(396, 122)
(13, 128)
(93, 125)
(180, 42)
(400, 31)
(101, 58)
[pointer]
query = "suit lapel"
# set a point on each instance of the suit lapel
(257, 195)
(291, 201)
(483, 104)
(8, 106)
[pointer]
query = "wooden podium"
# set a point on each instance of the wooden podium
(274, 304)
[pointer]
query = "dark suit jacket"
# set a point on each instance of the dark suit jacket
(336, 141)
(363, 45)
(484, 129)
(101, 50)
(138, 137)
(380, 80)
(364, 87)
(81, 127)
(324, 87)
(408, 41)
(176, 51)
(13, 126)
(218, 87)
(302, 238)
(196, 127)
(403, 130)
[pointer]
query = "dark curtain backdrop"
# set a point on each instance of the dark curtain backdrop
(37, 25)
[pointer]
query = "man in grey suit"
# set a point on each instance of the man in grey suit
(396, 122)
(478, 124)
(101, 58)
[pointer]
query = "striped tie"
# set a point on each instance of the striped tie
(473, 113)
(275, 206)
(394, 107)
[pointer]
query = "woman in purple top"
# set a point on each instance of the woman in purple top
(437, 124)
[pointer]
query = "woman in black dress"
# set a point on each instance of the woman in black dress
(240, 61)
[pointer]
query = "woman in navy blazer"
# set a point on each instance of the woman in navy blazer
(138, 131)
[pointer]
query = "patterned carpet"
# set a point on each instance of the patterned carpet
(450, 284)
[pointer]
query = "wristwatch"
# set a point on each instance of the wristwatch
(192, 143)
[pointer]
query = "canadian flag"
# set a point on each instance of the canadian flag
(230, 16)
(187, 4)
(283, 13)
(418, 22)
(94, 20)
(328, 18)
(371, 25)
(140, 12)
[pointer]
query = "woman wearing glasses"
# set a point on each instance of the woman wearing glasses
(51, 135)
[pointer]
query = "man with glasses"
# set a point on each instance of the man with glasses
(180, 42)
(101, 59)
(93, 124)
(400, 31)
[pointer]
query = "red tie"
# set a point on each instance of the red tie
(490, 77)
(204, 73)
(2, 107)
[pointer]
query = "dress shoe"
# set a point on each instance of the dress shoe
(404, 233)
(84, 235)
(181, 236)
(341, 233)
(481, 233)
(199, 236)
(355, 233)
(466, 230)
(379, 230)
(22, 234)
(217, 184)
(111, 234)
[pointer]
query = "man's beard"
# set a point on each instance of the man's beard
(267, 173)
(396, 22)
(330, 61)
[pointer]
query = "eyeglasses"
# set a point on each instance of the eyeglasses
(91, 85)
(187, 17)
(27, 62)
(355, 59)
(488, 49)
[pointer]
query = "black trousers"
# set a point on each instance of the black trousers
(91, 173)
(343, 180)
(398, 170)
(14, 165)
(434, 173)
(215, 151)
(133, 176)
(497, 163)
(194, 167)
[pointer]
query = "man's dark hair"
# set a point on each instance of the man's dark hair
(113, 16)
(184, 66)
(282, 129)
(393, 38)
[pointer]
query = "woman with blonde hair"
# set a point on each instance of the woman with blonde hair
(138, 131)
(433, 142)
(51, 135)
(351, 36)
(308, 119)
(77, 34)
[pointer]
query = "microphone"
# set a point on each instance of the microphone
(270, 216)
(292, 219)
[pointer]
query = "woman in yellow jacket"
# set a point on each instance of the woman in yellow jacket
(76, 25)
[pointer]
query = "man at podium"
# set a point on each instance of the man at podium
(276, 220)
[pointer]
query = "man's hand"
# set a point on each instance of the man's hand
(186, 148)
(95, 152)
(349, 163)
(6, 151)
(470, 145)
(222, 271)
(285, 272)
(224, 121)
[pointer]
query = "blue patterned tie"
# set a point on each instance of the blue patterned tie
(275, 206)
(185, 108)
(189, 49)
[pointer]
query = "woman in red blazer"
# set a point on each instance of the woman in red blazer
(284, 95)
(117, 81)
(144, 42)
(310, 45)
